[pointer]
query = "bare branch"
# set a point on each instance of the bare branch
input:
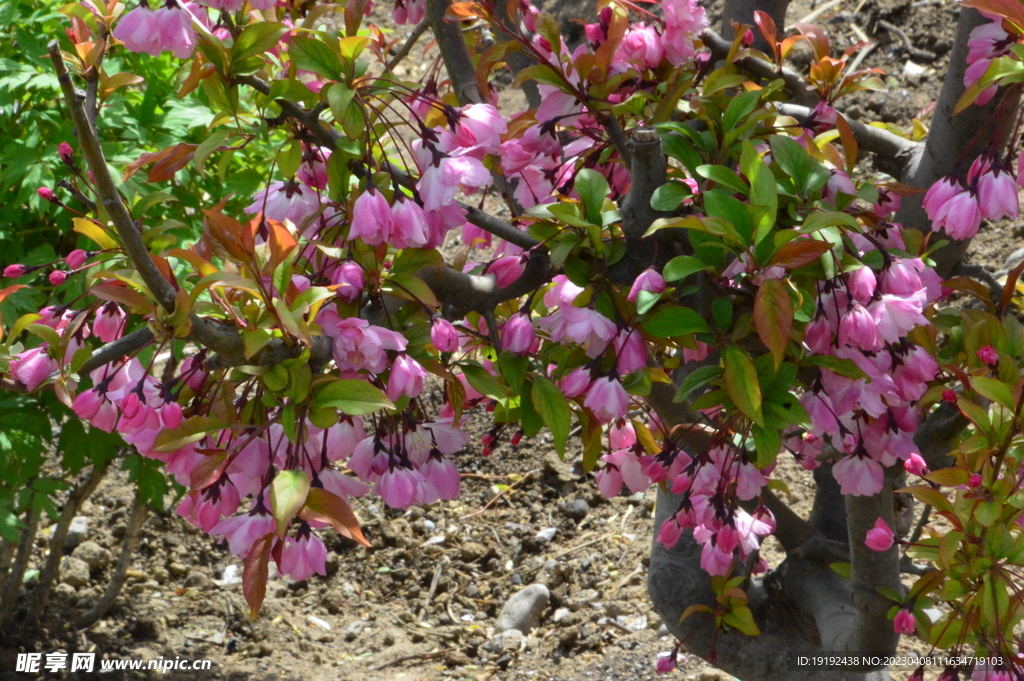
(406, 47)
(498, 227)
(454, 53)
(110, 198)
(115, 350)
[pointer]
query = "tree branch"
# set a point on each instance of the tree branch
(115, 350)
(406, 47)
(498, 227)
(454, 53)
(868, 138)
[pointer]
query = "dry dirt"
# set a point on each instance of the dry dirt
(421, 603)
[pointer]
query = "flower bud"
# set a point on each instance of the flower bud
(15, 270)
(988, 355)
(67, 154)
(76, 258)
(57, 277)
(46, 194)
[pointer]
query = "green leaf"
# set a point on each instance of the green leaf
(767, 442)
(725, 177)
(593, 189)
(843, 367)
(808, 175)
(414, 259)
(741, 383)
(191, 430)
(485, 383)
(675, 321)
(314, 55)
(550, 403)
(287, 495)
(645, 300)
(742, 619)
(763, 191)
(668, 196)
(993, 389)
(773, 317)
(695, 379)
(683, 266)
(513, 368)
(257, 39)
(352, 396)
(409, 286)
(718, 204)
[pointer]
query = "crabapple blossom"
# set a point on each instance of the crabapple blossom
(880, 537)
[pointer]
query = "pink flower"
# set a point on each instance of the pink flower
(411, 227)
(997, 194)
(406, 378)
(857, 329)
(939, 193)
(666, 663)
(960, 215)
(649, 280)
(94, 407)
(358, 344)
(861, 284)
(14, 271)
(349, 279)
(915, 465)
(888, 203)
(480, 128)
(399, 487)
(242, 531)
(176, 33)
(576, 382)
(630, 351)
(609, 481)
(285, 201)
(58, 277)
(109, 323)
(607, 399)
(443, 335)
(684, 20)
(32, 367)
(139, 32)
(904, 622)
(669, 533)
(858, 475)
(313, 170)
(988, 355)
(879, 538)
(303, 556)
(371, 218)
(641, 46)
(518, 335)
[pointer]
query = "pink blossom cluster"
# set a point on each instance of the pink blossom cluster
(35, 366)
(864, 316)
(991, 193)
(167, 29)
(986, 43)
(710, 484)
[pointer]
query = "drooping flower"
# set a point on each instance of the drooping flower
(880, 537)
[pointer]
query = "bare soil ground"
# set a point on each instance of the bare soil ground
(420, 604)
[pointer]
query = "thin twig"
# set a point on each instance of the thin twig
(15, 577)
(408, 658)
(76, 497)
(136, 519)
(814, 14)
(406, 47)
(914, 52)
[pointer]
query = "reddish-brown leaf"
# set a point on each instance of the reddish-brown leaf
(768, 30)
(354, 12)
(255, 574)
(119, 293)
(799, 252)
(172, 162)
(1011, 9)
(209, 470)
(466, 11)
(1008, 288)
(226, 235)
(281, 243)
(773, 317)
(817, 39)
(328, 507)
(849, 143)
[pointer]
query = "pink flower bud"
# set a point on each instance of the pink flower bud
(57, 277)
(46, 194)
(879, 538)
(518, 334)
(904, 622)
(15, 270)
(974, 481)
(516, 438)
(649, 280)
(667, 663)
(66, 154)
(949, 396)
(76, 258)
(349, 279)
(748, 38)
(444, 336)
(576, 383)
(988, 355)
